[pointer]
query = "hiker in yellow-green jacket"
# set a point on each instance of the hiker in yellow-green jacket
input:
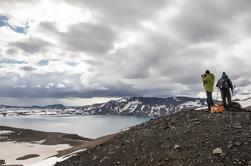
(208, 83)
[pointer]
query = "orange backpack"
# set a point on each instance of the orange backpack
(217, 109)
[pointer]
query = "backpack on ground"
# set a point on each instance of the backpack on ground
(217, 109)
(223, 84)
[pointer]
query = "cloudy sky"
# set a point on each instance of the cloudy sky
(93, 50)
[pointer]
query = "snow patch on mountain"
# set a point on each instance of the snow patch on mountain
(133, 106)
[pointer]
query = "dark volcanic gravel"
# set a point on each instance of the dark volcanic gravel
(185, 138)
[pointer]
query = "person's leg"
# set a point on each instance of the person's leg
(208, 100)
(211, 99)
(228, 95)
(223, 96)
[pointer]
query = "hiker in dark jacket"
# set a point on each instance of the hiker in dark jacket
(225, 84)
(208, 83)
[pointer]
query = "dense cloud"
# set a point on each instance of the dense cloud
(121, 12)
(123, 48)
(31, 45)
(88, 38)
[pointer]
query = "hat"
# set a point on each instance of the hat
(207, 72)
(224, 75)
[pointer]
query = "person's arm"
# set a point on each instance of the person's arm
(213, 79)
(203, 77)
(230, 84)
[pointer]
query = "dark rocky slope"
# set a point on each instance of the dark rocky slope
(185, 138)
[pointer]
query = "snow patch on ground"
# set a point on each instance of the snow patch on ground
(74, 153)
(6, 132)
(196, 103)
(201, 108)
(245, 103)
(126, 129)
(241, 97)
(53, 160)
(10, 151)
(39, 142)
(48, 162)
(244, 100)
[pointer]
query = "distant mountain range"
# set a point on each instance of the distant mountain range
(135, 106)
(53, 106)
(144, 106)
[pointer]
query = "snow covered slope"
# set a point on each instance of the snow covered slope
(134, 106)
(144, 106)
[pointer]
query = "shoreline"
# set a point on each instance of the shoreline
(31, 147)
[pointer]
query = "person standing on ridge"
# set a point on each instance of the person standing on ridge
(208, 83)
(225, 84)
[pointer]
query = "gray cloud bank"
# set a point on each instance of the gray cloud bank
(143, 48)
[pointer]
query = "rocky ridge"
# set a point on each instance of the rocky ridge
(193, 137)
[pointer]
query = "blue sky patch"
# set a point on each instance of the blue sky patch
(43, 62)
(3, 21)
(71, 63)
(10, 61)
(18, 29)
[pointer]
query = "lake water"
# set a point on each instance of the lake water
(85, 126)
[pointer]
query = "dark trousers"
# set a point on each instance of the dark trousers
(225, 94)
(210, 101)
